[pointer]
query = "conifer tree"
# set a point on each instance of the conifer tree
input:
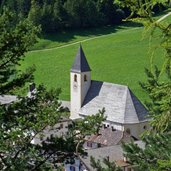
(35, 13)
(157, 140)
(26, 118)
(108, 166)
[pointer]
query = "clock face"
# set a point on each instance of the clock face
(75, 85)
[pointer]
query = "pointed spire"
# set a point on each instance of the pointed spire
(80, 63)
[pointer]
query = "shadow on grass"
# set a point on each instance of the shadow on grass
(63, 37)
(68, 35)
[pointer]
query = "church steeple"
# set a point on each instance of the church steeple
(80, 63)
(80, 81)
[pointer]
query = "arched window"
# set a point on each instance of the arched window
(85, 77)
(75, 78)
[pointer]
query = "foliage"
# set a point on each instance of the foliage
(34, 13)
(157, 140)
(151, 157)
(157, 90)
(57, 15)
(109, 166)
(143, 8)
(27, 118)
(22, 120)
(91, 124)
(159, 107)
(15, 40)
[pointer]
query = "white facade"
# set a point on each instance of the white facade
(135, 129)
(123, 109)
(79, 86)
(76, 166)
(73, 167)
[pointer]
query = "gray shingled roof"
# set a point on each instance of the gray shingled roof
(80, 63)
(6, 99)
(121, 105)
(114, 153)
(108, 136)
(54, 130)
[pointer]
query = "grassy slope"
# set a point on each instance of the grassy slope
(71, 36)
(119, 58)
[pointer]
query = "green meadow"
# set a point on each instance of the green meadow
(115, 54)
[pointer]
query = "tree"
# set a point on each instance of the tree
(156, 152)
(60, 15)
(25, 118)
(157, 141)
(108, 8)
(35, 13)
(16, 39)
(54, 15)
(91, 124)
(109, 166)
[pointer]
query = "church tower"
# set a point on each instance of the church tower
(80, 81)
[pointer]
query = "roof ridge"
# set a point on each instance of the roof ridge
(133, 103)
(125, 102)
(138, 101)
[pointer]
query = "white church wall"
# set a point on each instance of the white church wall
(85, 84)
(114, 125)
(75, 94)
(78, 89)
(136, 129)
(73, 167)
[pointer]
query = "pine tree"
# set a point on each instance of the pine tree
(91, 124)
(35, 13)
(108, 166)
(25, 118)
(156, 154)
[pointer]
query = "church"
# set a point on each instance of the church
(123, 109)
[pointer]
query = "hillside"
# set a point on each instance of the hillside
(117, 55)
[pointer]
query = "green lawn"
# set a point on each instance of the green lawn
(119, 56)
(64, 37)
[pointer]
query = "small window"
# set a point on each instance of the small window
(75, 78)
(128, 131)
(145, 127)
(85, 77)
(113, 129)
